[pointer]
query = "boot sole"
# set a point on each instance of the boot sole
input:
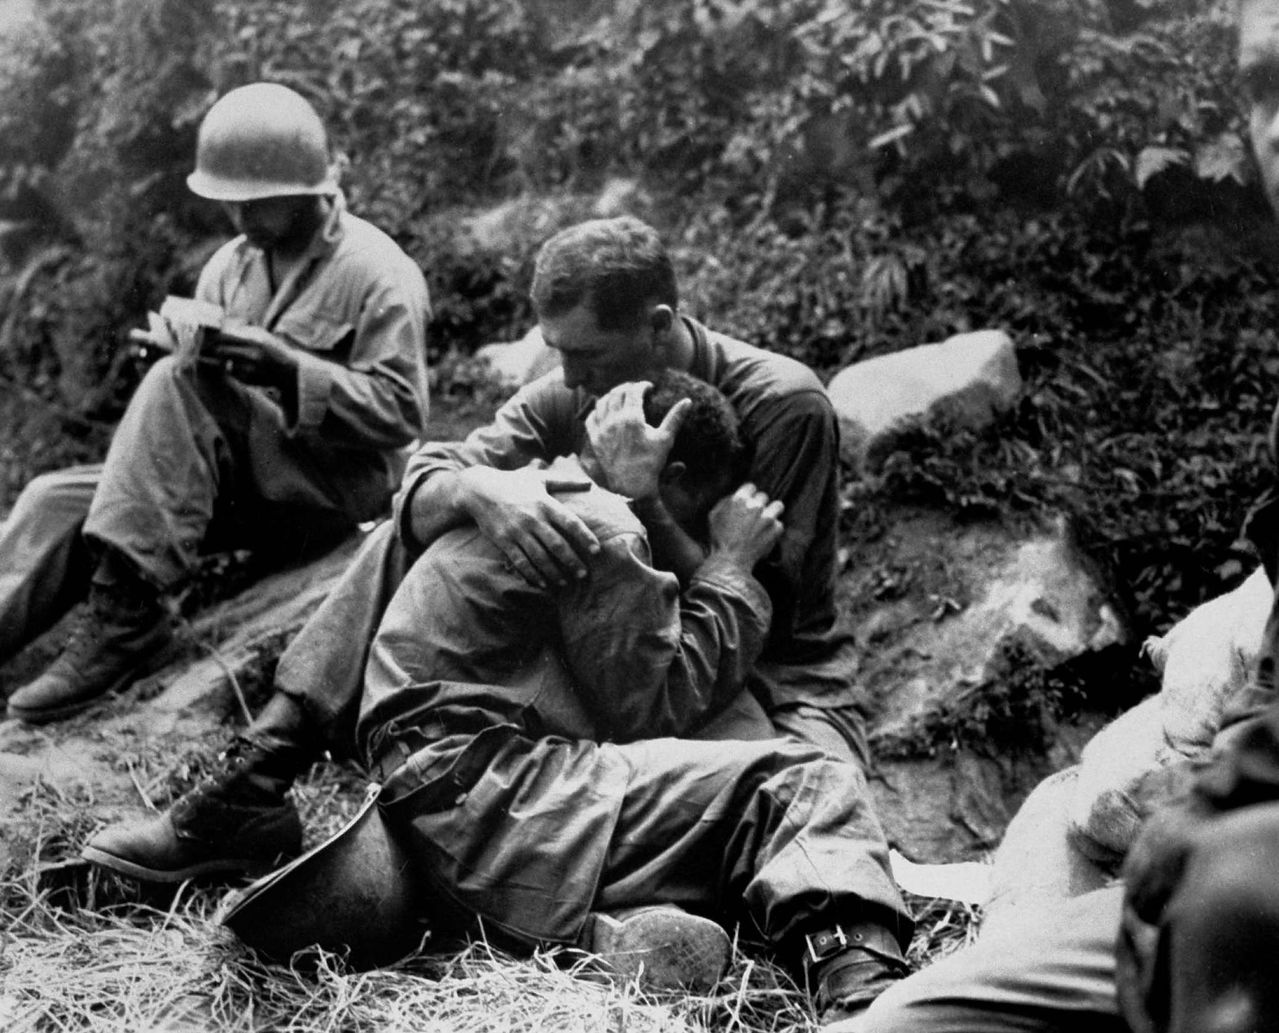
(662, 947)
(219, 866)
(48, 715)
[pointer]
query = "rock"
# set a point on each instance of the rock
(967, 378)
(956, 805)
(244, 636)
(945, 606)
(516, 228)
(516, 363)
(954, 621)
(1048, 597)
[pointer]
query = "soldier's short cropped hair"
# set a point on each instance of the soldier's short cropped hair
(619, 267)
(709, 442)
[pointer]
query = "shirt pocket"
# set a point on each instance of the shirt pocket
(316, 332)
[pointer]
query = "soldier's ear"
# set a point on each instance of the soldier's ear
(661, 319)
(674, 474)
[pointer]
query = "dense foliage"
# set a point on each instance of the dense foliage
(839, 178)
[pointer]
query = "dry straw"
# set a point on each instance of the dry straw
(83, 951)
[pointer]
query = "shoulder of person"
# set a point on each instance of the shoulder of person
(606, 513)
(549, 396)
(363, 244)
(226, 255)
(769, 372)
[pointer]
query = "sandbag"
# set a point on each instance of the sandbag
(1206, 661)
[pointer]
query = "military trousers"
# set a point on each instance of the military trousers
(528, 836)
(198, 461)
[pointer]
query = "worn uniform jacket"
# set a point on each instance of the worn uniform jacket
(617, 655)
(787, 417)
(486, 698)
(356, 309)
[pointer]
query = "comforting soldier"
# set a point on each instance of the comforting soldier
(516, 729)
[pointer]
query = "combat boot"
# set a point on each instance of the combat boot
(238, 821)
(123, 633)
(845, 967)
(662, 945)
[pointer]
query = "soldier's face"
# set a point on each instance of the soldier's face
(1259, 73)
(275, 223)
(597, 360)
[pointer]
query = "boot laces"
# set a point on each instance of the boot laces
(230, 765)
(87, 633)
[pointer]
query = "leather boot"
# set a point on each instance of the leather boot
(846, 966)
(238, 821)
(122, 633)
(662, 945)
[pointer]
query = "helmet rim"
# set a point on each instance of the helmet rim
(224, 188)
(261, 140)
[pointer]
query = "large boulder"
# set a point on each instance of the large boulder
(515, 363)
(966, 379)
(517, 227)
(958, 624)
(945, 607)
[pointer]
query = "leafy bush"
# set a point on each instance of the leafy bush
(1150, 375)
(838, 179)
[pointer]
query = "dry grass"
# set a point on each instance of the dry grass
(139, 968)
(84, 951)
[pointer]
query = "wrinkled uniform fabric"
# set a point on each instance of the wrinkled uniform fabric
(619, 654)
(805, 675)
(198, 453)
(489, 709)
(1048, 970)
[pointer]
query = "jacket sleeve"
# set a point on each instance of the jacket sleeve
(377, 397)
(794, 438)
(648, 661)
(361, 351)
(536, 424)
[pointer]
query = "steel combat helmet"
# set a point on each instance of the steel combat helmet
(261, 140)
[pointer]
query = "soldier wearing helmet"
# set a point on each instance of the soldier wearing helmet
(279, 433)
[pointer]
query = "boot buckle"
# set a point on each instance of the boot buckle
(821, 945)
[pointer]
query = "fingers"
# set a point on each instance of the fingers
(568, 541)
(541, 538)
(753, 497)
(624, 396)
(551, 553)
(674, 419)
(624, 402)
